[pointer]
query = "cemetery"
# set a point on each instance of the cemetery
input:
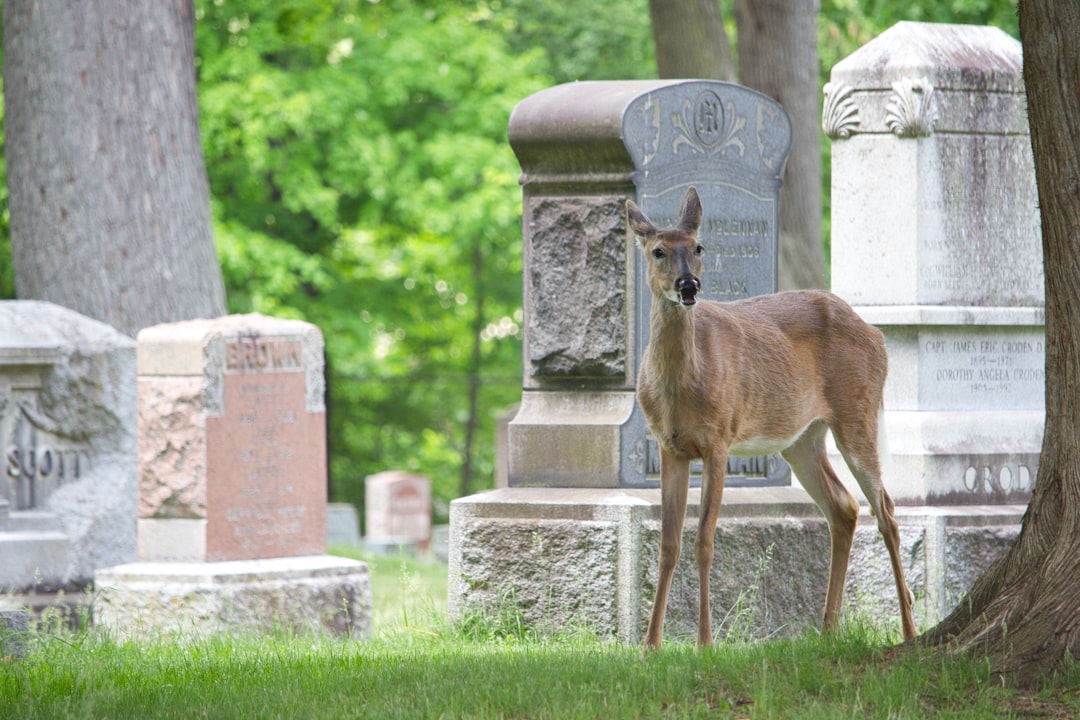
(174, 485)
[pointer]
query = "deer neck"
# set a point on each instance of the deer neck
(671, 353)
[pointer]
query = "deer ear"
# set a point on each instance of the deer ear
(639, 221)
(691, 211)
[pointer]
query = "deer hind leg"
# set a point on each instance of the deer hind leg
(712, 490)
(859, 446)
(674, 484)
(810, 463)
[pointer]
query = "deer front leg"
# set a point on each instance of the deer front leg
(674, 483)
(712, 490)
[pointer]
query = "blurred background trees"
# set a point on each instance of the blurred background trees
(360, 179)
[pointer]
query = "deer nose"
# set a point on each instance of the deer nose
(687, 287)
(687, 283)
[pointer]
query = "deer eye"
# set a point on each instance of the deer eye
(699, 250)
(658, 253)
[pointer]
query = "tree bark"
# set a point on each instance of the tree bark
(778, 56)
(690, 40)
(1023, 612)
(109, 202)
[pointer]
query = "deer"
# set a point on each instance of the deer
(766, 374)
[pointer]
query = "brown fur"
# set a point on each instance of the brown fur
(766, 374)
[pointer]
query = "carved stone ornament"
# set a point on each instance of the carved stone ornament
(910, 111)
(840, 116)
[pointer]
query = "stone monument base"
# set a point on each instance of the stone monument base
(35, 549)
(317, 593)
(588, 558)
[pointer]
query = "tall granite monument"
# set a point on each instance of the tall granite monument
(585, 148)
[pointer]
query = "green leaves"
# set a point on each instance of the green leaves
(362, 180)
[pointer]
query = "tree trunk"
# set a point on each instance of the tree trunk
(690, 40)
(1023, 613)
(109, 203)
(778, 56)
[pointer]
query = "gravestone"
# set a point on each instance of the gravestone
(585, 148)
(232, 440)
(936, 240)
(397, 509)
(232, 486)
(67, 447)
(342, 524)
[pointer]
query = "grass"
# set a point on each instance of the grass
(419, 665)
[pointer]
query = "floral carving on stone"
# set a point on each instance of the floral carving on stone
(910, 111)
(840, 116)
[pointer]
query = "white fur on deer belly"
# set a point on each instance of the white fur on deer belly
(762, 445)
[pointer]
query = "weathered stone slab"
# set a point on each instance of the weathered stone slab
(14, 626)
(588, 558)
(67, 447)
(232, 440)
(317, 594)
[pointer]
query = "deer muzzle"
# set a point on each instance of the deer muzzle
(687, 286)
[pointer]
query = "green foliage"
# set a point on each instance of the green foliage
(597, 40)
(362, 181)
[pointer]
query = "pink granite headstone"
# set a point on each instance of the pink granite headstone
(397, 507)
(232, 440)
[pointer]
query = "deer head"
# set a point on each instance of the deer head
(674, 255)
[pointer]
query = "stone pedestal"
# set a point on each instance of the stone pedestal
(588, 558)
(232, 484)
(67, 447)
(188, 600)
(936, 241)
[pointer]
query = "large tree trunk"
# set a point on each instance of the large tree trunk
(690, 40)
(778, 56)
(1023, 613)
(108, 195)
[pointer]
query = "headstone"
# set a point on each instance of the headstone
(232, 488)
(342, 524)
(585, 148)
(936, 240)
(232, 441)
(397, 509)
(67, 447)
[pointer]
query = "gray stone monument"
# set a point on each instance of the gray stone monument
(575, 535)
(67, 447)
(936, 241)
(585, 148)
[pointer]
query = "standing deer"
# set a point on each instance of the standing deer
(762, 375)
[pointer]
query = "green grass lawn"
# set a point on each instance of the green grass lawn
(419, 665)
